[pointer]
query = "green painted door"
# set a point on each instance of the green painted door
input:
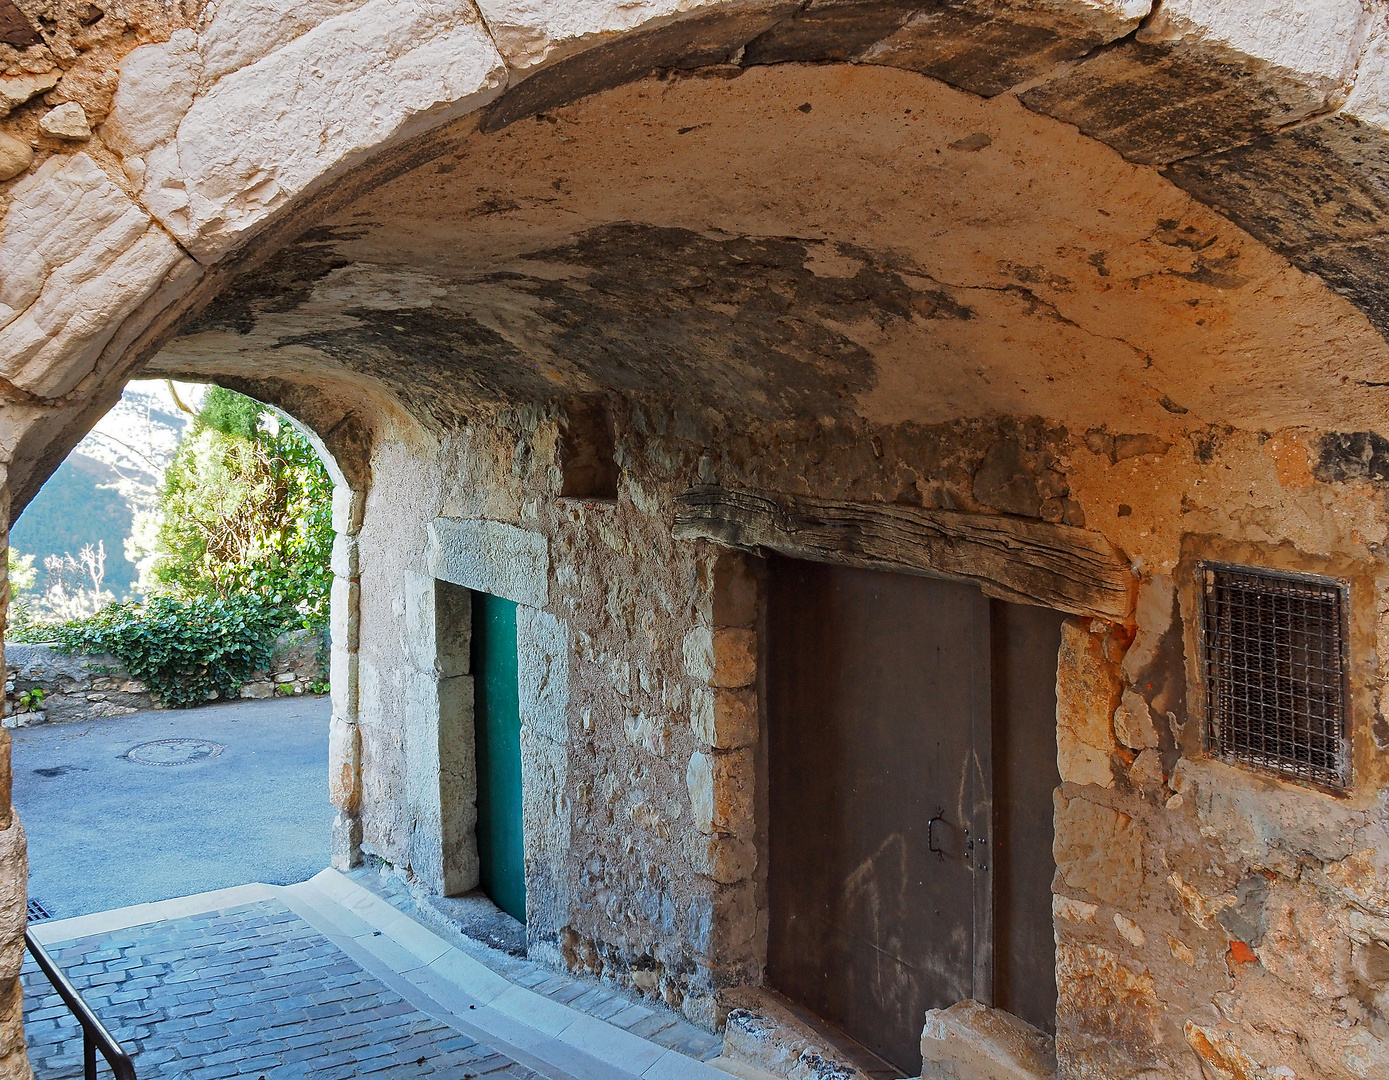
(497, 723)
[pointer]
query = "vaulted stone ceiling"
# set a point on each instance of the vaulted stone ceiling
(797, 239)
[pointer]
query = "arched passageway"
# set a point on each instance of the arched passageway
(686, 297)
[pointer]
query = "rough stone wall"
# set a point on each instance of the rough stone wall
(1207, 918)
(94, 687)
(226, 121)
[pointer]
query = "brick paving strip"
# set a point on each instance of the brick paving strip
(248, 991)
(321, 980)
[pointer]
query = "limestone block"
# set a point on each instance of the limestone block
(1204, 75)
(233, 34)
(1223, 1056)
(1260, 823)
(156, 89)
(542, 656)
(1146, 775)
(1130, 931)
(66, 121)
(344, 765)
(491, 557)
(15, 90)
(14, 884)
(1098, 850)
(344, 618)
(362, 79)
(969, 1041)
(1133, 722)
(345, 560)
(721, 792)
(345, 842)
(1364, 876)
(342, 682)
(726, 859)
(735, 590)
(1073, 910)
(1087, 693)
(990, 47)
(423, 783)
(76, 257)
(14, 1064)
(1106, 1013)
(724, 719)
(1305, 944)
(528, 32)
(735, 657)
(419, 620)
(698, 651)
(349, 506)
(545, 823)
(15, 156)
(1153, 610)
(457, 785)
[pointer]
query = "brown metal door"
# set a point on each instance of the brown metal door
(878, 762)
(1025, 643)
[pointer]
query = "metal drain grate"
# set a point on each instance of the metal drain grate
(1273, 646)
(37, 912)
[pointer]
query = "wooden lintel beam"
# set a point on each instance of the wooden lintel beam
(1016, 559)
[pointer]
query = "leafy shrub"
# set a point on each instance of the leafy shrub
(246, 507)
(184, 650)
(242, 544)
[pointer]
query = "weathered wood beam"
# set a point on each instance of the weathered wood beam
(1026, 562)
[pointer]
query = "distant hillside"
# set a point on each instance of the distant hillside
(80, 504)
(109, 476)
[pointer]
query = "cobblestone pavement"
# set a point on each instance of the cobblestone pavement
(250, 991)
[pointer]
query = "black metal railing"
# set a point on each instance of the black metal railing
(94, 1034)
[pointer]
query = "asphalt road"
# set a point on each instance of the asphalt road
(106, 831)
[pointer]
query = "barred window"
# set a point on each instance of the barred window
(1274, 652)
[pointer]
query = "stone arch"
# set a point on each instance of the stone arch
(188, 193)
(1270, 117)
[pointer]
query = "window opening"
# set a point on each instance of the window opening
(1273, 648)
(587, 449)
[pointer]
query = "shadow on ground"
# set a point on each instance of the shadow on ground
(107, 828)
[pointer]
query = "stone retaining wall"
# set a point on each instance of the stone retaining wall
(94, 687)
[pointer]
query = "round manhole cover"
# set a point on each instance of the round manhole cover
(173, 751)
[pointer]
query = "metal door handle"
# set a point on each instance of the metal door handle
(931, 834)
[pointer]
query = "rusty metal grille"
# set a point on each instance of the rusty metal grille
(1275, 666)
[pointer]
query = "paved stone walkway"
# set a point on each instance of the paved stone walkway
(319, 981)
(251, 991)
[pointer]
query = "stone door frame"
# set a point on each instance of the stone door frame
(465, 555)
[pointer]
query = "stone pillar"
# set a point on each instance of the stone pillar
(543, 653)
(440, 751)
(344, 738)
(721, 662)
(14, 872)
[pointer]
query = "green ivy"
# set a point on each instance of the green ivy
(185, 650)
